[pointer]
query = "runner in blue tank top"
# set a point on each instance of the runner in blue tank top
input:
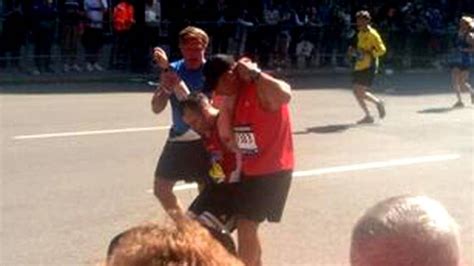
(460, 70)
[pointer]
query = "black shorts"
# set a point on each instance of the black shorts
(363, 77)
(214, 207)
(460, 66)
(264, 197)
(188, 161)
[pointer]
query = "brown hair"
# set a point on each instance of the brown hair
(193, 33)
(406, 230)
(186, 243)
(363, 14)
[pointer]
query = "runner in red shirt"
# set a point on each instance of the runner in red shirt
(262, 128)
(214, 206)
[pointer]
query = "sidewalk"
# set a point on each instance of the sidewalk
(10, 77)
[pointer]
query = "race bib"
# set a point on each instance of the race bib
(245, 139)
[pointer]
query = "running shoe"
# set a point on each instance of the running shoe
(76, 68)
(366, 120)
(381, 109)
(89, 67)
(66, 68)
(98, 67)
(458, 104)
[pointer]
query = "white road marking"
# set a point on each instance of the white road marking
(376, 165)
(307, 174)
(88, 133)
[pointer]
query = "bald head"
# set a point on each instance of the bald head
(406, 230)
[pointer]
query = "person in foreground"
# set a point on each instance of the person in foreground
(406, 231)
(182, 243)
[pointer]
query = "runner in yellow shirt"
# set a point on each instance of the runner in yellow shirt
(369, 48)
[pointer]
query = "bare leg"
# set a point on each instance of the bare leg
(250, 250)
(455, 78)
(163, 190)
(360, 94)
(369, 96)
(464, 81)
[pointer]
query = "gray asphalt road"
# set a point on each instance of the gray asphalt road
(65, 196)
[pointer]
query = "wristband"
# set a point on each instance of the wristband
(255, 74)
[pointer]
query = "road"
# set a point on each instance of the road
(76, 168)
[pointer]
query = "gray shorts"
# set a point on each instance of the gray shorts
(188, 161)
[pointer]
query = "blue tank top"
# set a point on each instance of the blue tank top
(461, 43)
(195, 82)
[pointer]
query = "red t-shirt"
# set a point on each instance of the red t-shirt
(224, 164)
(264, 137)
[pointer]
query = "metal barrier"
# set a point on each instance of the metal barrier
(306, 46)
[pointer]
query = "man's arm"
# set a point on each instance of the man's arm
(168, 81)
(272, 92)
(159, 100)
(379, 48)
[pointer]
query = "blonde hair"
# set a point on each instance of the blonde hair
(469, 21)
(186, 243)
(406, 230)
(193, 33)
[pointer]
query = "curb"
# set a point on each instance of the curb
(111, 77)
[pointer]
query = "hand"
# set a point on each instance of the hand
(160, 58)
(245, 67)
(169, 80)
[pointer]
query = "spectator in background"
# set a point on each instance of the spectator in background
(435, 28)
(329, 33)
(283, 38)
(93, 37)
(406, 231)
(243, 34)
(313, 31)
(152, 24)
(13, 36)
(71, 15)
(224, 16)
(123, 20)
(391, 29)
(346, 35)
(186, 243)
(269, 30)
(43, 17)
(200, 13)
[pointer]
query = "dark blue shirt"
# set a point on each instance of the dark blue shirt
(195, 82)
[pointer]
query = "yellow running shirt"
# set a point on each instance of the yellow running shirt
(370, 42)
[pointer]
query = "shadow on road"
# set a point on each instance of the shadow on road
(436, 110)
(328, 129)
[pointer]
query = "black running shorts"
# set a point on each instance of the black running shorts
(363, 77)
(260, 198)
(214, 207)
(188, 161)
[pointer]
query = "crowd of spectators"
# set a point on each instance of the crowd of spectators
(278, 33)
